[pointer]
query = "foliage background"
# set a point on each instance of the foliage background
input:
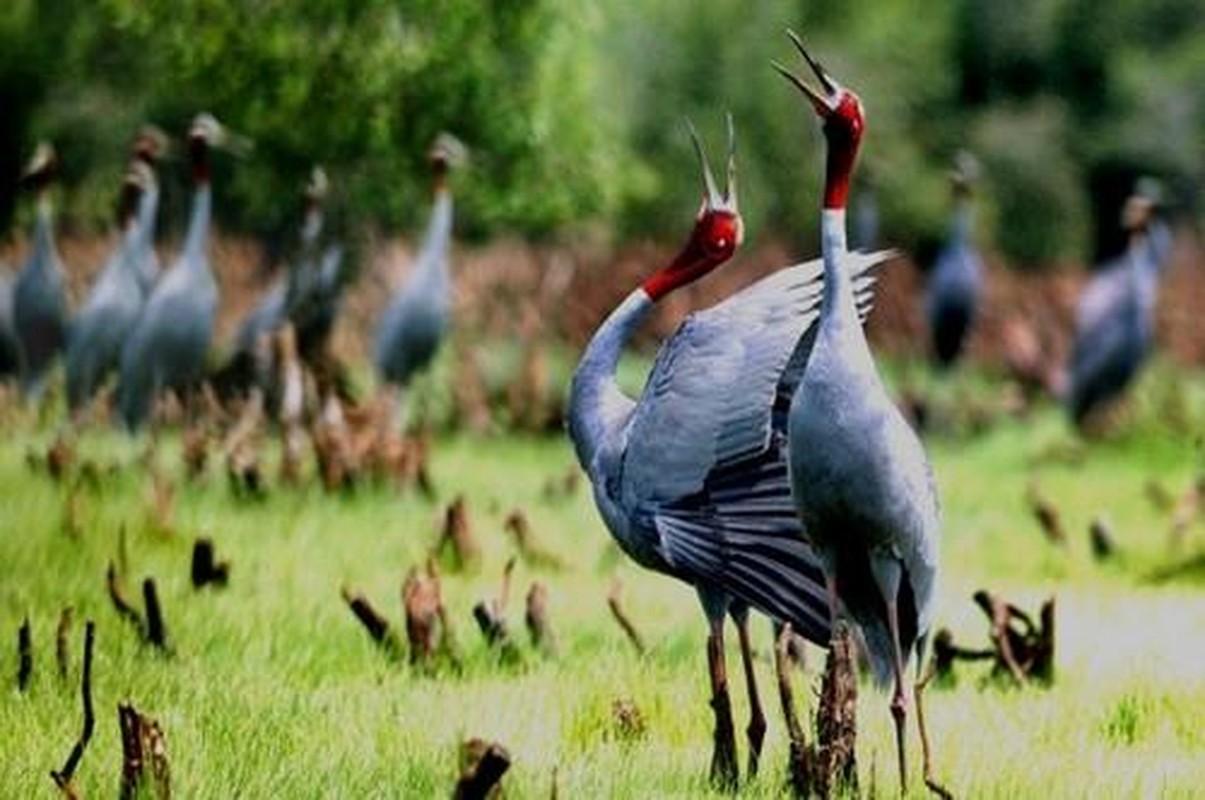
(573, 109)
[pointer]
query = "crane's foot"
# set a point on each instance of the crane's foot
(756, 733)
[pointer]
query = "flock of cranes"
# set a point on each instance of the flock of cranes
(765, 462)
(154, 330)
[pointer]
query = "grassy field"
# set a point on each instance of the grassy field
(274, 690)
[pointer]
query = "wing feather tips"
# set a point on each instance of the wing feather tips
(777, 575)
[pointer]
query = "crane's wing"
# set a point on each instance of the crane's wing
(709, 401)
(741, 533)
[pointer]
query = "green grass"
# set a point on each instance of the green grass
(275, 691)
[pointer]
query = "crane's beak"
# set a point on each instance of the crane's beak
(823, 103)
(712, 199)
(317, 186)
(153, 144)
(40, 165)
(235, 144)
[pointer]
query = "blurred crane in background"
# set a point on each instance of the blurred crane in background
(168, 347)
(150, 147)
(10, 346)
(691, 479)
(859, 475)
(101, 327)
(1114, 321)
(413, 324)
(39, 297)
(956, 281)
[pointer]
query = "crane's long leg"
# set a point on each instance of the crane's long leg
(756, 732)
(926, 759)
(723, 760)
(899, 700)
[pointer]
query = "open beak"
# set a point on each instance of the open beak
(712, 199)
(823, 103)
(235, 144)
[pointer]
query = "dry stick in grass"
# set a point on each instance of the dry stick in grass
(124, 609)
(945, 653)
(420, 598)
(1100, 536)
(24, 655)
(482, 765)
(62, 778)
(156, 630)
(195, 451)
(491, 617)
(1023, 649)
(532, 552)
(206, 569)
(62, 634)
(377, 626)
(1187, 509)
(538, 625)
(622, 618)
(459, 536)
(142, 744)
(1046, 515)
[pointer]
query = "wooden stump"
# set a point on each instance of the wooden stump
(536, 617)
(144, 766)
(206, 569)
(482, 765)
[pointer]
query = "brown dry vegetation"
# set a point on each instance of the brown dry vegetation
(531, 293)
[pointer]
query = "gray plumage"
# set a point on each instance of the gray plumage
(146, 260)
(413, 324)
(1114, 323)
(40, 305)
(10, 355)
(954, 286)
(110, 313)
(691, 478)
(168, 347)
(307, 294)
(859, 475)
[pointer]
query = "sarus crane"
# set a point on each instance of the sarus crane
(100, 330)
(690, 479)
(859, 475)
(150, 146)
(168, 347)
(1114, 321)
(956, 280)
(413, 324)
(307, 287)
(39, 296)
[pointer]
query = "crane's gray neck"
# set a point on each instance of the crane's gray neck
(838, 299)
(43, 235)
(433, 258)
(311, 227)
(964, 220)
(595, 398)
(148, 206)
(198, 224)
